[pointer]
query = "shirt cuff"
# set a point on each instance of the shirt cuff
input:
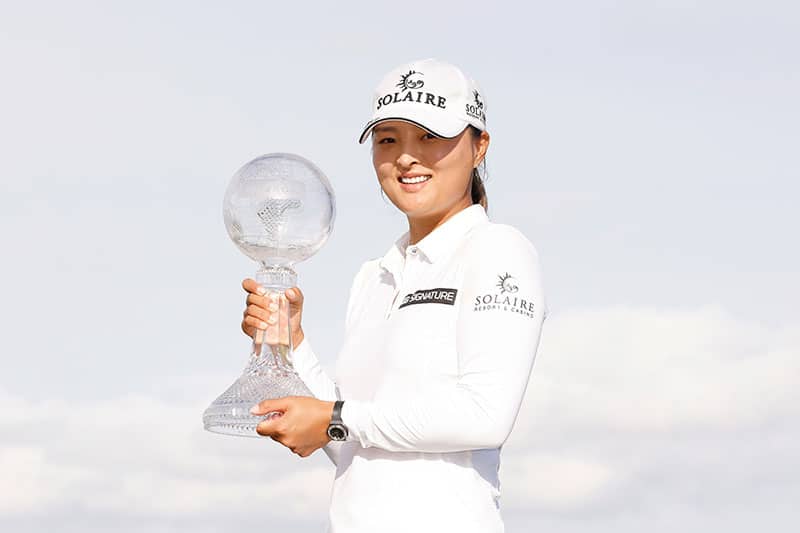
(307, 366)
(303, 357)
(355, 416)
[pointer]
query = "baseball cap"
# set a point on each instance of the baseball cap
(431, 94)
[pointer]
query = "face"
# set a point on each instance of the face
(426, 177)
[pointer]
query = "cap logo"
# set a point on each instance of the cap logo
(478, 101)
(407, 82)
(476, 110)
(442, 100)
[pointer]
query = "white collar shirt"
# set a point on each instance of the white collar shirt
(440, 340)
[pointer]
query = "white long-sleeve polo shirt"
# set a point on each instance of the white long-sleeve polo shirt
(439, 345)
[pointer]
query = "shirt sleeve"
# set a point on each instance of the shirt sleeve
(306, 363)
(499, 324)
(308, 367)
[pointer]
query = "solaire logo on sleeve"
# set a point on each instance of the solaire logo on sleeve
(505, 298)
(430, 296)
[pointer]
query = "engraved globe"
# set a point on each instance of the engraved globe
(279, 210)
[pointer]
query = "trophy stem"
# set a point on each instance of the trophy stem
(269, 373)
(276, 277)
(274, 344)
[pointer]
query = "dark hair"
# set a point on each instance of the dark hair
(477, 187)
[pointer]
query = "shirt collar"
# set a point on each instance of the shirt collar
(395, 257)
(438, 243)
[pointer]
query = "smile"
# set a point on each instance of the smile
(417, 179)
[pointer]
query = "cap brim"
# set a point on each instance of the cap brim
(444, 132)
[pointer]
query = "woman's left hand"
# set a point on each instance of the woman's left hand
(303, 427)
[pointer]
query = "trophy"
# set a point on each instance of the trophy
(279, 210)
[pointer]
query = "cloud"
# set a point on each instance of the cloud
(625, 402)
(556, 482)
(662, 370)
(627, 409)
(148, 457)
(28, 483)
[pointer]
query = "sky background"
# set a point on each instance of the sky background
(649, 150)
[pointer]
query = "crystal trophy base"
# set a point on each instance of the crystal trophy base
(230, 413)
(269, 374)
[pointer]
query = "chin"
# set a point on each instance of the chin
(414, 207)
(424, 212)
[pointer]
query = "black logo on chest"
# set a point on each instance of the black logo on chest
(430, 296)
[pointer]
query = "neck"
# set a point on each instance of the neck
(420, 227)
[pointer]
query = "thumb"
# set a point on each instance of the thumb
(265, 406)
(295, 296)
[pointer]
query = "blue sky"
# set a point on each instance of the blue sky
(647, 149)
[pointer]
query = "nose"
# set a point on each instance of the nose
(406, 160)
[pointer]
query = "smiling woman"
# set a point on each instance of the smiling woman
(441, 332)
(425, 176)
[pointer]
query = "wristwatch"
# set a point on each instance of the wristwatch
(336, 429)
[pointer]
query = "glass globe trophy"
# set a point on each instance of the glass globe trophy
(279, 210)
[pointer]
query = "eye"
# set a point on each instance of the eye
(385, 140)
(429, 135)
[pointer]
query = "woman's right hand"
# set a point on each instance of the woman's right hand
(262, 311)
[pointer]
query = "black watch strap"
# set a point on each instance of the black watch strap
(336, 416)
(336, 429)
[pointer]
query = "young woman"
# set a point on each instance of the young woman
(441, 332)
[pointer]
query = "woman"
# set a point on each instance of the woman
(441, 332)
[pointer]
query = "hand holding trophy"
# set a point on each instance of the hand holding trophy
(279, 210)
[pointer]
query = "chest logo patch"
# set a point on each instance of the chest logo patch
(430, 296)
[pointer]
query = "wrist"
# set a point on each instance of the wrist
(337, 431)
(297, 337)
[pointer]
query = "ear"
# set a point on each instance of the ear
(481, 146)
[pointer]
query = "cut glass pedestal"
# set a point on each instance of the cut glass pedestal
(230, 413)
(269, 374)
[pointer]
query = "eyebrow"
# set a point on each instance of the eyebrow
(379, 129)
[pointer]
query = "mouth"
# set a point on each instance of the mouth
(415, 179)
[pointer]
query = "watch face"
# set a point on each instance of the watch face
(337, 432)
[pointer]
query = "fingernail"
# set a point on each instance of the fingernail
(262, 325)
(261, 290)
(290, 293)
(254, 410)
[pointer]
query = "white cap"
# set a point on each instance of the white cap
(431, 94)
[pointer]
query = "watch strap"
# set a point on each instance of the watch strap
(336, 416)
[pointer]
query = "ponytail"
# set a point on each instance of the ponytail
(477, 188)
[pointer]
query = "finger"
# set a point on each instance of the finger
(261, 301)
(250, 285)
(258, 313)
(265, 406)
(254, 323)
(295, 296)
(270, 302)
(268, 428)
(272, 427)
